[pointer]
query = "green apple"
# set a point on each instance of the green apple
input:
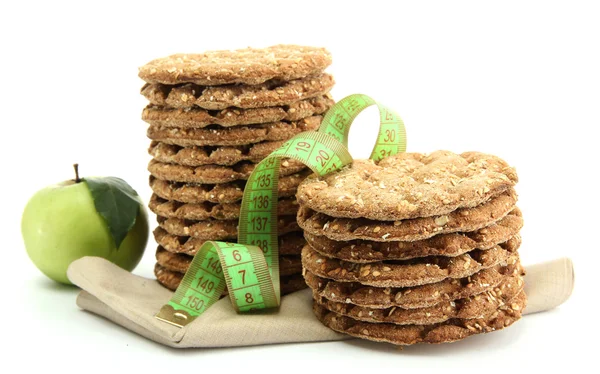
(101, 217)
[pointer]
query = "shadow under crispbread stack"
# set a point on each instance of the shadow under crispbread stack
(415, 248)
(213, 117)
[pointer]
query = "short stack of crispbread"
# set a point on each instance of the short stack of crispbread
(213, 117)
(415, 248)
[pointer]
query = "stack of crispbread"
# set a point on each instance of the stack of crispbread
(414, 248)
(213, 117)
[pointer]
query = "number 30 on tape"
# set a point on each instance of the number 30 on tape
(250, 269)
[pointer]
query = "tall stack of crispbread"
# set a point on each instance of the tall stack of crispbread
(415, 248)
(213, 117)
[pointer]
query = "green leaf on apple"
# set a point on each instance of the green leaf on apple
(116, 202)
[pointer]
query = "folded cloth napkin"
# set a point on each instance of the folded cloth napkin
(132, 301)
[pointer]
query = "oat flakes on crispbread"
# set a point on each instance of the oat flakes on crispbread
(460, 220)
(218, 193)
(249, 66)
(231, 117)
(477, 306)
(206, 210)
(215, 174)
(453, 244)
(238, 135)
(410, 273)
(270, 94)
(449, 331)
(216, 229)
(423, 296)
(289, 244)
(408, 185)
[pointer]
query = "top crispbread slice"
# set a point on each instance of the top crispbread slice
(408, 185)
(249, 66)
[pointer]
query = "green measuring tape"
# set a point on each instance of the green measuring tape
(251, 270)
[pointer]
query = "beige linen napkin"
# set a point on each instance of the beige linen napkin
(131, 301)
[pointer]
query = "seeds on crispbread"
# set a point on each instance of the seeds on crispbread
(477, 306)
(269, 94)
(449, 331)
(454, 244)
(214, 174)
(218, 193)
(217, 229)
(408, 185)
(412, 297)
(249, 66)
(410, 273)
(238, 135)
(289, 244)
(461, 220)
(230, 117)
(206, 210)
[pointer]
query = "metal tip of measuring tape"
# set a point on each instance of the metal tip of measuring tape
(179, 318)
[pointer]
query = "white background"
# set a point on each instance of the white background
(517, 79)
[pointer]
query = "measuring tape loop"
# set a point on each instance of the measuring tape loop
(251, 269)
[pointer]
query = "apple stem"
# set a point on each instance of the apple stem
(76, 167)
